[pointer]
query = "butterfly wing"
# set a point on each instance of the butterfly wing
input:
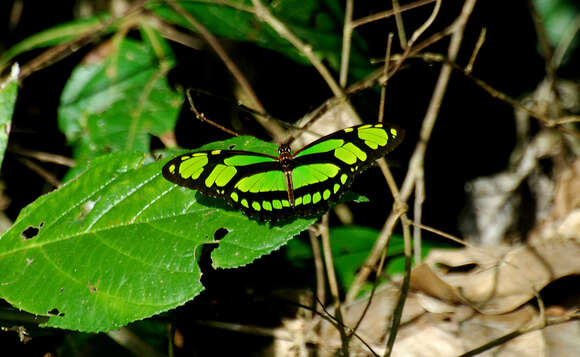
(325, 169)
(251, 182)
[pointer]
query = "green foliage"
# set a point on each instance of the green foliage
(119, 100)
(558, 17)
(350, 247)
(317, 23)
(120, 243)
(8, 92)
(53, 36)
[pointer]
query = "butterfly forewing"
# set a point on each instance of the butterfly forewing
(251, 182)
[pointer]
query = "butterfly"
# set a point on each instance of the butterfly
(304, 183)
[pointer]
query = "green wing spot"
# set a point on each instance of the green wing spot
(267, 205)
(348, 130)
(309, 174)
(349, 153)
(373, 137)
(323, 146)
(316, 198)
(345, 155)
(244, 160)
(234, 196)
(172, 169)
(256, 206)
(244, 203)
(277, 204)
(193, 167)
(326, 194)
(343, 178)
(336, 187)
(225, 175)
(285, 203)
(306, 200)
(298, 201)
(394, 132)
(262, 182)
(362, 156)
(215, 173)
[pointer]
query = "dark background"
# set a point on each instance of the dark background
(473, 137)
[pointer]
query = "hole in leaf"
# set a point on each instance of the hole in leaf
(466, 268)
(232, 146)
(55, 312)
(220, 233)
(93, 289)
(31, 231)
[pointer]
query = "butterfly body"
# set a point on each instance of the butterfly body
(272, 188)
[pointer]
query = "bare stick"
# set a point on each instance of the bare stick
(50, 178)
(398, 312)
(386, 14)
(319, 267)
(43, 156)
(478, 45)
(385, 72)
(400, 26)
(276, 131)
(418, 156)
(332, 282)
(264, 14)
(346, 40)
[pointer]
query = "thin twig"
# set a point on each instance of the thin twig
(132, 342)
(418, 212)
(385, 72)
(266, 16)
(419, 154)
(332, 282)
(346, 41)
(398, 312)
(275, 130)
(386, 14)
(319, 268)
(50, 178)
(480, 41)
(565, 42)
(202, 117)
(400, 26)
(43, 156)
(510, 336)
(441, 233)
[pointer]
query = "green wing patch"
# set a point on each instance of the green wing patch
(300, 184)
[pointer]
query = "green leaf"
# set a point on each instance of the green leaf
(319, 24)
(55, 35)
(350, 246)
(558, 17)
(120, 243)
(8, 92)
(121, 99)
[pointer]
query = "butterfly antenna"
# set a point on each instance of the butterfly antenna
(203, 118)
(276, 130)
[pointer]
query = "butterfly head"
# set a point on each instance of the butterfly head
(286, 156)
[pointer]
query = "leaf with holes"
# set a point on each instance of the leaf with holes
(120, 243)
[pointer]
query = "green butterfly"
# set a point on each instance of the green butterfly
(272, 188)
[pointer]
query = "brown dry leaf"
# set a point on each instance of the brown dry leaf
(502, 281)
